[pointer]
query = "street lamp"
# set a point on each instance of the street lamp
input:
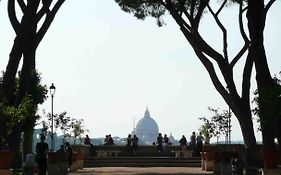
(228, 121)
(52, 92)
(229, 125)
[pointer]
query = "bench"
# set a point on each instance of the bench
(108, 153)
(181, 153)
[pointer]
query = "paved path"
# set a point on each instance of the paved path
(141, 171)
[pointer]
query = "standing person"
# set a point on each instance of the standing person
(192, 139)
(199, 142)
(183, 143)
(129, 144)
(166, 141)
(69, 152)
(110, 140)
(193, 142)
(160, 143)
(106, 140)
(41, 155)
(135, 141)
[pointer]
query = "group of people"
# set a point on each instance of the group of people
(196, 142)
(132, 144)
(108, 140)
(42, 150)
(162, 142)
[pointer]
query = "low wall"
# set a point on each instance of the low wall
(151, 150)
(142, 150)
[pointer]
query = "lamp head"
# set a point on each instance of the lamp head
(52, 89)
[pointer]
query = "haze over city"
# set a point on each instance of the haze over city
(108, 66)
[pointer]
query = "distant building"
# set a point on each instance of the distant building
(146, 129)
(173, 140)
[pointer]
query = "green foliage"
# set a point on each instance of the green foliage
(12, 116)
(207, 129)
(70, 127)
(78, 129)
(22, 116)
(38, 92)
(143, 8)
(271, 100)
(61, 121)
(157, 8)
(217, 125)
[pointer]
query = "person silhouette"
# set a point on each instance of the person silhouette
(69, 154)
(160, 143)
(41, 155)
(87, 140)
(135, 141)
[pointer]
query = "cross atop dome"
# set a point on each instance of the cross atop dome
(146, 114)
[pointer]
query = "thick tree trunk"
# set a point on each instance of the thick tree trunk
(256, 22)
(11, 70)
(26, 71)
(14, 141)
(27, 141)
(244, 116)
(278, 133)
(268, 134)
(246, 125)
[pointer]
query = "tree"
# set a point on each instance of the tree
(273, 106)
(29, 34)
(70, 127)
(188, 15)
(27, 109)
(217, 125)
(78, 129)
(61, 122)
(256, 14)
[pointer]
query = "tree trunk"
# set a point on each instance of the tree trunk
(246, 124)
(11, 70)
(27, 141)
(14, 141)
(26, 71)
(278, 133)
(256, 23)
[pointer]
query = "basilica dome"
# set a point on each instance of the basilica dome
(147, 129)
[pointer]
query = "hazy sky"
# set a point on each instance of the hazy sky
(108, 67)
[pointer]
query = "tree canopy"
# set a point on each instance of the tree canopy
(188, 15)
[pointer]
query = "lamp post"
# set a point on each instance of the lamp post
(229, 125)
(52, 92)
(228, 136)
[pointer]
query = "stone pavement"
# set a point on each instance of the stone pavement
(141, 171)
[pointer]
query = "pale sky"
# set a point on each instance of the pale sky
(108, 67)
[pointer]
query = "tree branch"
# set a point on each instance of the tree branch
(46, 24)
(12, 16)
(246, 83)
(181, 22)
(44, 10)
(215, 80)
(244, 36)
(189, 17)
(221, 7)
(223, 31)
(194, 38)
(192, 6)
(202, 6)
(268, 5)
(22, 5)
